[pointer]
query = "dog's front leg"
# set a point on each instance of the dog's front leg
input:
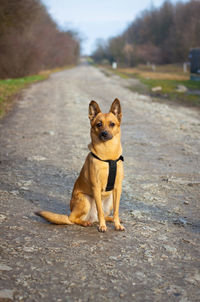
(116, 201)
(102, 224)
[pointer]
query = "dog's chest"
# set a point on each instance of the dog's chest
(102, 175)
(106, 204)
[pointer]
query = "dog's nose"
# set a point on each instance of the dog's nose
(104, 133)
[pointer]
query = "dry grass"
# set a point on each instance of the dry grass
(47, 72)
(168, 77)
(166, 72)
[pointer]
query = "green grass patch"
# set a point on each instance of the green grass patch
(10, 87)
(169, 89)
(169, 86)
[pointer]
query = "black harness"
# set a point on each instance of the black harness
(112, 171)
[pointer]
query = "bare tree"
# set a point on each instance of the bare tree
(30, 40)
(159, 35)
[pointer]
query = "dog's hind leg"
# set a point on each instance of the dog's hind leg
(80, 209)
(111, 219)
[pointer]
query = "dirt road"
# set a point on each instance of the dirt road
(43, 145)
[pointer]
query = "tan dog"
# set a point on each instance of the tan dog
(91, 201)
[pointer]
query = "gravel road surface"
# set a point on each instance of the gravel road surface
(43, 144)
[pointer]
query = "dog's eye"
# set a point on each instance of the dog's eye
(99, 124)
(112, 124)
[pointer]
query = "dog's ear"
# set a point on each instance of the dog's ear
(93, 110)
(116, 109)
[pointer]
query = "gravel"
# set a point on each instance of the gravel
(43, 146)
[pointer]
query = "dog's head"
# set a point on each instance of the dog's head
(104, 126)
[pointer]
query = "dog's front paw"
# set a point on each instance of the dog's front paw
(119, 227)
(102, 228)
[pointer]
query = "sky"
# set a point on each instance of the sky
(96, 19)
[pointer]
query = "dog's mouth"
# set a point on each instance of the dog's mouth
(105, 136)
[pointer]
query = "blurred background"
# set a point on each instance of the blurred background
(37, 35)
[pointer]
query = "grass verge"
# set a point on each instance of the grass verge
(169, 90)
(168, 77)
(9, 88)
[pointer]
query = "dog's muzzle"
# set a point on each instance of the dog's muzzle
(105, 136)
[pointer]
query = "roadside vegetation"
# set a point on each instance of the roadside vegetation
(153, 49)
(30, 41)
(161, 35)
(10, 88)
(168, 79)
(32, 46)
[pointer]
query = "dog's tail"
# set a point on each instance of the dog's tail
(54, 218)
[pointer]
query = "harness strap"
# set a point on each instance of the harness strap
(112, 170)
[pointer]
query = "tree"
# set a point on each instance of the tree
(159, 35)
(30, 40)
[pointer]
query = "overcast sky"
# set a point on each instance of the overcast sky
(97, 19)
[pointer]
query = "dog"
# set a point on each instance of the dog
(98, 188)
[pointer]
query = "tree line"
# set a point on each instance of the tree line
(161, 35)
(31, 41)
